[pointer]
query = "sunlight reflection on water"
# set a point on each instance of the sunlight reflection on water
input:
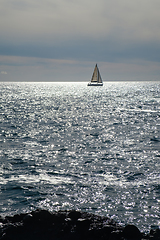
(66, 146)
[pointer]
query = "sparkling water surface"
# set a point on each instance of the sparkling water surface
(69, 146)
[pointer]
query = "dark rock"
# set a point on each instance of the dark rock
(15, 218)
(11, 229)
(155, 234)
(59, 218)
(131, 232)
(18, 218)
(28, 219)
(68, 225)
(74, 215)
(82, 224)
(115, 235)
(42, 218)
(1, 219)
(42, 215)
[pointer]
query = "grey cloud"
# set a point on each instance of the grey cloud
(116, 31)
(110, 51)
(50, 21)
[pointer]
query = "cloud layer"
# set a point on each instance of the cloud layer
(45, 69)
(117, 31)
(51, 20)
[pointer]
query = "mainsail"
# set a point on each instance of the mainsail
(96, 79)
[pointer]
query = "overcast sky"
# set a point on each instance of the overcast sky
(62, 40)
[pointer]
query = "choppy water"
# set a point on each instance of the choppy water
(69, 146)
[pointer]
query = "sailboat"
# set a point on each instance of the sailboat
(96, 79)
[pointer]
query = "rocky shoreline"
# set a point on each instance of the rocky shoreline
(68, 225)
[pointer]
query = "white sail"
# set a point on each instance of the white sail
(96, 79)
(99, 77)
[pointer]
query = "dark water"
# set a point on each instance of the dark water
(69, 146)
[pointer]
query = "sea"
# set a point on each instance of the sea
(64, 146)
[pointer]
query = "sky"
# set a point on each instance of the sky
(62, 40)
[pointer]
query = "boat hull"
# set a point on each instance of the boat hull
(95, 84)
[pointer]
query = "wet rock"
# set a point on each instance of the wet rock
(74, 215)
(28, 219)
(15, 218)
(115, 235)
(42, 215)
(18, 218)
(155, 234)
(131, 232)
(41, 218)
(59, 218)
(10, 230)
(2, 220)
(100, 232)
(82, 225)
(68, 225)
